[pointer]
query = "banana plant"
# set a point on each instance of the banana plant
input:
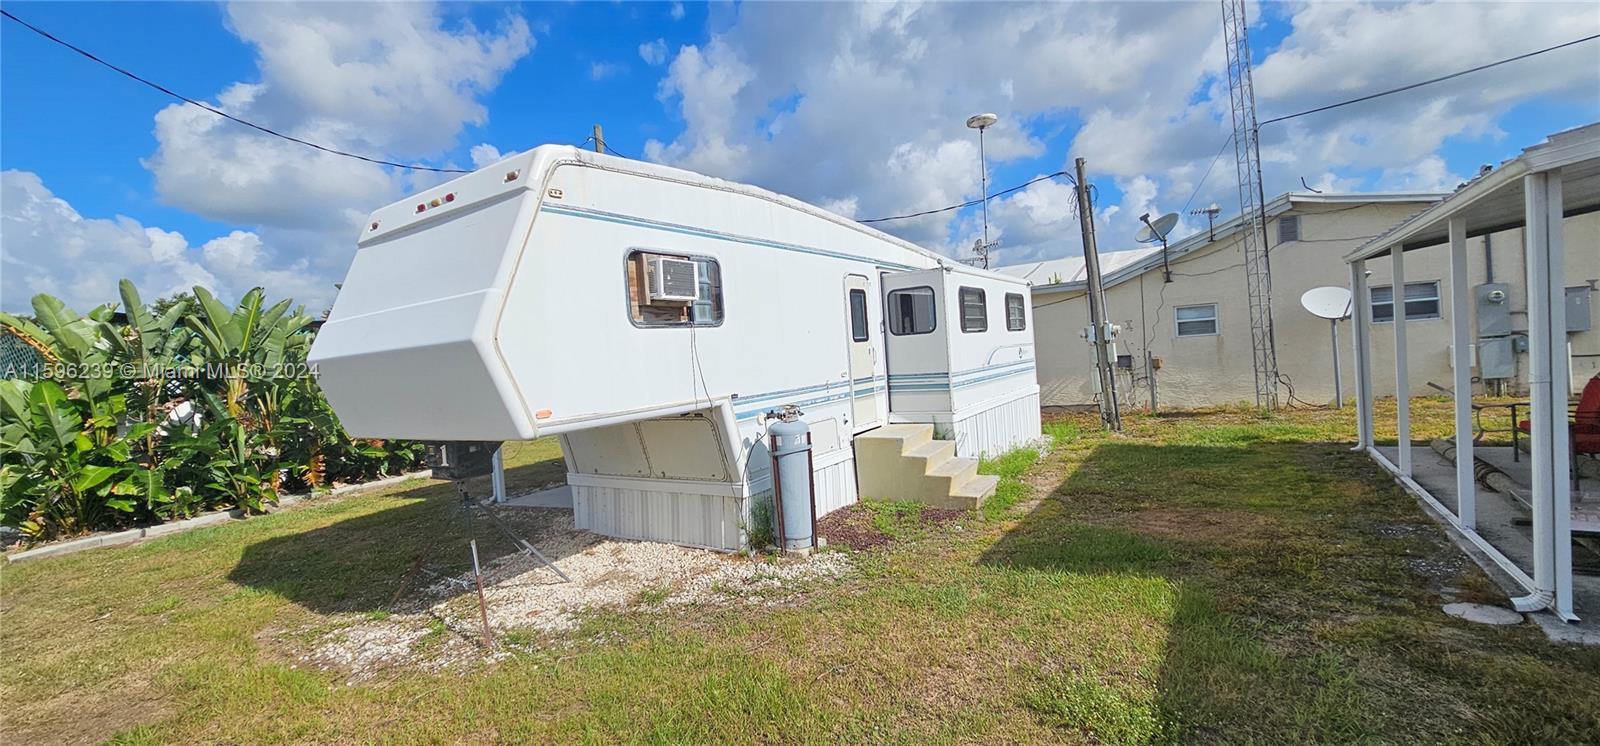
(64, 467)
(251, 348)
(247, 343)
(148, 349)
(75, 345)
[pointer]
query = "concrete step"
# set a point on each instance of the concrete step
(977, 489)
(905, 462)
(909, 435)
(933, 452)
(954, 471)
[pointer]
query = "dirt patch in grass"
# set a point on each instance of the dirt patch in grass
(866, 526)
(61, 719)
(1205, 525)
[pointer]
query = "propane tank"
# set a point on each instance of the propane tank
(791, 478)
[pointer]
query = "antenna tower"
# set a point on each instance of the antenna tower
(1252, 201)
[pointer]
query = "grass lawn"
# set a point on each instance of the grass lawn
(1206, 577)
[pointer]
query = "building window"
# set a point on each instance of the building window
(1016, 312)
(912, 311)
(1197, 321)
(974, 315)
(1288, 228)
(648, 309)
(858, 314)
(1422, 301)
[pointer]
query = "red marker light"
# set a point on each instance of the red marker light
(451, 197)
(420, 208)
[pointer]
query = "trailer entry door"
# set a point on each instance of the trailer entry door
(864, 382)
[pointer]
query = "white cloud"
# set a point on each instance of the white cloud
(863, 105)
(677, 11)
(400, 82)
(484, 154)
(50, 248)
(653, 52)
(603, 70)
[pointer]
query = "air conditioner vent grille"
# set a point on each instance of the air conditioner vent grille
(676, 280)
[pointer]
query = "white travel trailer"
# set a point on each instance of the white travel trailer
(652, 317)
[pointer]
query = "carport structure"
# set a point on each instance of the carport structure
(1536, 191)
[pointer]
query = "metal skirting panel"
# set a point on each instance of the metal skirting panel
(998, 429)
(835, 486)
(690, 519)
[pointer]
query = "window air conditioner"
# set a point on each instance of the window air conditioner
(673, 280)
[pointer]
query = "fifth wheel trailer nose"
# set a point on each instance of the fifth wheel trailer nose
(409, 349)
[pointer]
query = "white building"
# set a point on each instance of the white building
(1196, 328)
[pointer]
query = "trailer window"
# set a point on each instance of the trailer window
(912, 311)
(648, 309)
(858, 315)
(974, 313)
(1016, 313)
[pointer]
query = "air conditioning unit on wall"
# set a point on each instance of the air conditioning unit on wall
(673, 280)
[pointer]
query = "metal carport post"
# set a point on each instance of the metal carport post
(1548, 388)
(1360, 340)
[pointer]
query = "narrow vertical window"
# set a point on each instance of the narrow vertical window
(858, 315)
(1016, 312)
(974, 313)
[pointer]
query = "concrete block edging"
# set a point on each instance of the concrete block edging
(135, 535)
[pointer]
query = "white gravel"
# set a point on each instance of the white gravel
(606, 575)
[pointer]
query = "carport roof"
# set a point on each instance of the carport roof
(1493, 202)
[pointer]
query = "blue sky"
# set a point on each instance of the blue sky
(856, 108)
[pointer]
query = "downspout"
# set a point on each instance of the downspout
(1488, 257)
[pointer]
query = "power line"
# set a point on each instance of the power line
(1207, 174)
(218, 112)
(1439, 79)
(972, 202)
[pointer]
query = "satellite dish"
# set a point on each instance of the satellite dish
(1156, 230)
(1329, 302)
(979, 121)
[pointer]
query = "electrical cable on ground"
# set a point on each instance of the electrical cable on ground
(1431, 81)
(219, 112)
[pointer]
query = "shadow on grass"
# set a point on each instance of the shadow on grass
(362, 563)
(1209, 554)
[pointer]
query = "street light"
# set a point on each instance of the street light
(981, 122)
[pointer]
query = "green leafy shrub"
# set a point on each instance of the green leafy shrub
(94, 440)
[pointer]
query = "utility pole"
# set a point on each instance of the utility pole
(1110, 416)
(599, 140)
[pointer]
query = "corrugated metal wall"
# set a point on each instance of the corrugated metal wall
(836, 486)
(692, 519)
(999, 429)
(709, 521)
